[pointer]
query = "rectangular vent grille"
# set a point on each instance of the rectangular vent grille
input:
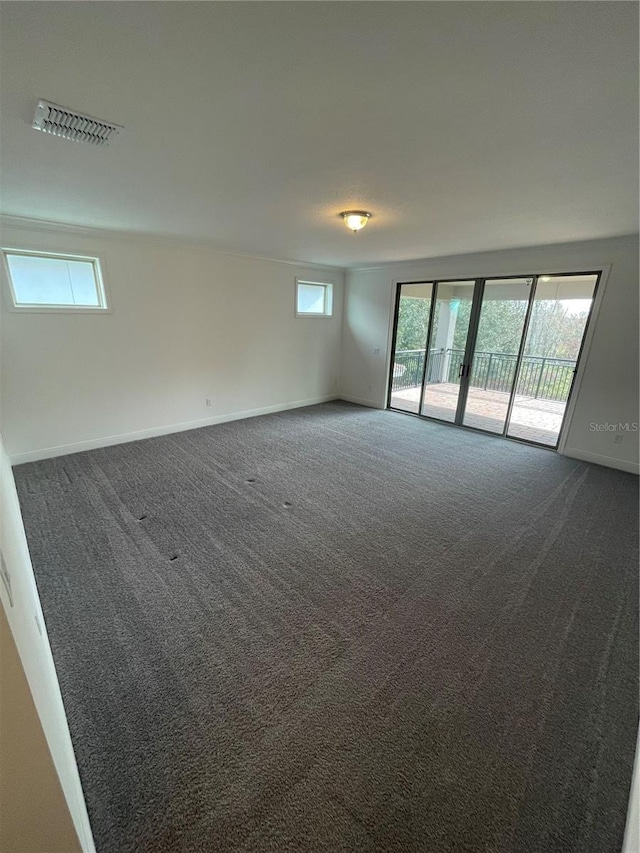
(69, 124)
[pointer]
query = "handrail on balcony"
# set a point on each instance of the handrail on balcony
(543, 377)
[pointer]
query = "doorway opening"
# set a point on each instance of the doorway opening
(498, 355)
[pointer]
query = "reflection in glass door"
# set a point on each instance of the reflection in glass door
(559, 315)
(447, 344)
(413, 308)
(498, 340)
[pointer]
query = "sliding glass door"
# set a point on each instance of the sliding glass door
(503, 311)
(498, 355)
(560, 311)
(447, 344)
(413, 309)
(432, 322)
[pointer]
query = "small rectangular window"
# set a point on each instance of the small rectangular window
(313, 299)
(43, 281)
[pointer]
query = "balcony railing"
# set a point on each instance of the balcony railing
(540, 377)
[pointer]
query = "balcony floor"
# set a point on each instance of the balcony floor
(531, 419)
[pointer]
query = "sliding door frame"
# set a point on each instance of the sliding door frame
(427, 346)
(472, 334)
(523, 342)
(434, 295)
(469, 349)
(394, 337)
(585, 334)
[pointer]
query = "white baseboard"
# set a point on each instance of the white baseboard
(599, 459)
(360, 401)
(152, 432)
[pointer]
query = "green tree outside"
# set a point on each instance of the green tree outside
(554, 330)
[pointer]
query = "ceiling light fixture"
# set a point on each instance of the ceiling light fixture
(355, 220)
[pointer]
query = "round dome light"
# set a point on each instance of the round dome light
(355, 220)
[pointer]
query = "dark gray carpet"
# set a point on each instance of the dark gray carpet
(337, 629)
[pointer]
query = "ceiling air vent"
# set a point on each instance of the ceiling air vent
(69, 124)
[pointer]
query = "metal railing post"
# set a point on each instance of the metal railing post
(486, 376)
(535, 396)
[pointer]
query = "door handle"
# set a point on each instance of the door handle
(461, 371)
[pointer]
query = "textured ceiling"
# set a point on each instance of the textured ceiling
(250, 126)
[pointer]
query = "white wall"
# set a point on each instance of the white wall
(607, 383)
(25, 619)
(186, 324)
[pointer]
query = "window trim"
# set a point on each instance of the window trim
(96, 261)
(328, 298)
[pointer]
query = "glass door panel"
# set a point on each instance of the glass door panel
(407, 364)
(500, 326)
(451, 316)
(557, 324)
